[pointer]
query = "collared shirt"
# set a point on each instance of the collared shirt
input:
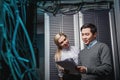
(92, 44)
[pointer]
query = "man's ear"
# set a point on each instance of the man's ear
(95, 34)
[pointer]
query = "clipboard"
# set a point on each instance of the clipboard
(68, 64)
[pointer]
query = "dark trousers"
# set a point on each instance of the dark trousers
(71, 77)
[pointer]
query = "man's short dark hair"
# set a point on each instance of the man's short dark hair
(91, 26)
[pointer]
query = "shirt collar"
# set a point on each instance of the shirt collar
(92, 44)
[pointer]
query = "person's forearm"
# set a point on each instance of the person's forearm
(101, 70)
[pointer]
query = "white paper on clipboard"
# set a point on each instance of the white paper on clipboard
(68, 64)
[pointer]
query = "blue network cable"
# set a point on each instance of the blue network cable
(23, 64)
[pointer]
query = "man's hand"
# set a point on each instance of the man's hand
(82, 69)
